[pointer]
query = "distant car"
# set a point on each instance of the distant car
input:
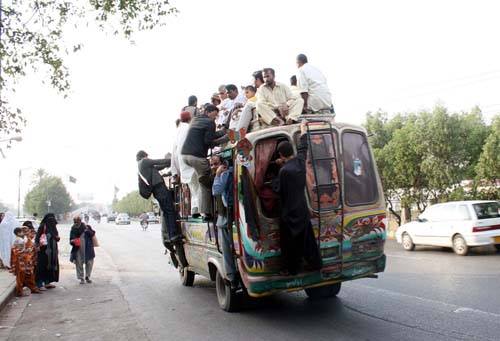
(152, 219)
(459, 225)
(111, 217)
(122, 219)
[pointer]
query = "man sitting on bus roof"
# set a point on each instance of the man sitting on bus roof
(296, 233)
(241, 117)
(275, 101)
(200, 138)
(314, 88)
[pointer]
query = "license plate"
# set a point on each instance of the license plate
(496, 240)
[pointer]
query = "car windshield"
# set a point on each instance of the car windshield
(123, 215)
(487, 210)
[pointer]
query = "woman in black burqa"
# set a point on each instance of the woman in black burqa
(46, 240)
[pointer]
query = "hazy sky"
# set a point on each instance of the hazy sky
(393, 55)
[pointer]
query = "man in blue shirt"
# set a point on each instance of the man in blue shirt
(223, 188)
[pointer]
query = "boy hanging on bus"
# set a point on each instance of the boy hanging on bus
(223, 188)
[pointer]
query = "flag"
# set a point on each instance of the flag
(117, 189)
(72, 179)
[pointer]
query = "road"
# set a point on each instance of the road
(428, 294)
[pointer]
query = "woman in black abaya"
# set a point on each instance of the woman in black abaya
(46, 240)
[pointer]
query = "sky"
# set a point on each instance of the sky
(392, 55)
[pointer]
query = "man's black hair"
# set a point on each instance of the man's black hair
(258, 75)
(192, 101)
(268, 69)
(285, 148)
(293, 80)
(231, 87)
(302, 58)
(17, 230)
(211, 108)
(28, 224)
(250, 88)
(141, 154)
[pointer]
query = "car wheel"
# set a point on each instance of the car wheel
(460, 246)
(497, 246)
(323, 292)
(227, 298)
(187, 276)
(407, 242)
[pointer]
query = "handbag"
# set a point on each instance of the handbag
(43, 237)
(76, 242)
(95, 242)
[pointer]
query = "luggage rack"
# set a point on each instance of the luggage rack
(334, 186)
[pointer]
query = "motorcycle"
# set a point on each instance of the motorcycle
(144, 224)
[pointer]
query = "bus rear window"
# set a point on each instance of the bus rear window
(360, 180)
(487, 210)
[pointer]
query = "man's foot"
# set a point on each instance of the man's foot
(82, 281)
(36, 291)
(88, 280)
(50, 286)
(42, 289)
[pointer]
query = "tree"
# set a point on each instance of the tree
(51, 189)
(423, 157)
(3, 208)
(133, 204)
(488, 166)
(32, 39)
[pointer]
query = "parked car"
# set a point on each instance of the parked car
(122, 219)
(459, 225)
(111, 217)
(152, 219)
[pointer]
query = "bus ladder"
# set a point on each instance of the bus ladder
(333, 185)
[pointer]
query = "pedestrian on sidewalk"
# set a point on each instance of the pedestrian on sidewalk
(7, 226)
(82, 252)
(25, 257)
(46, 241)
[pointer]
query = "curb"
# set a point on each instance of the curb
(7, 295)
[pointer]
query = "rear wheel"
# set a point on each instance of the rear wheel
(408, 242)
(460, 246)
(324, 292)
(497, 246)
(226, 297)
(187, 276)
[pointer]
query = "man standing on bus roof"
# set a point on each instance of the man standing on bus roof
(297, 236)
(275, 101)
(314, 88)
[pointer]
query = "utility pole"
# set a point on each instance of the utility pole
(19, 195)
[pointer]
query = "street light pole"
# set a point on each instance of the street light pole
(19, 195)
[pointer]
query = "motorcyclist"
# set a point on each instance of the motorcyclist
(143, 219)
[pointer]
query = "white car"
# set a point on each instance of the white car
(122, 218)
(459, 225)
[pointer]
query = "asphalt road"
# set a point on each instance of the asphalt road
(428, 294)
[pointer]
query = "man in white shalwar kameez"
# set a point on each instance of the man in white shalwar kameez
(314, 88)
(7, 237)
(187, 174)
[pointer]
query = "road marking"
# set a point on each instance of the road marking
(405, 257)
(453, 307)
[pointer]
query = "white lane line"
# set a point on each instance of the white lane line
(453, 307)
(405, 257)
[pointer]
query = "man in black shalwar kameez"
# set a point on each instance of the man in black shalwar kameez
(297, 236)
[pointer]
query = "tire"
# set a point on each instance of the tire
(407, 242)
(497, 246)
(226, 297)
(460, 245)
(187, 277)
(326, 291)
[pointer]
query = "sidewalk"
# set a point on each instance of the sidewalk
(7, 287)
